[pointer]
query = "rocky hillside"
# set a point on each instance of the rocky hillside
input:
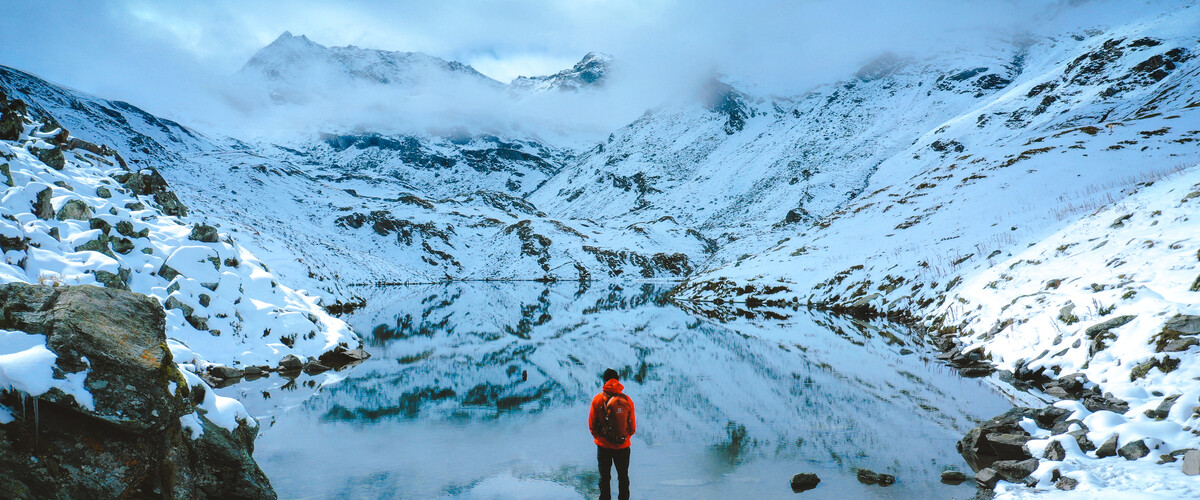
(403, 208)
(1043, 228)
(73, 212)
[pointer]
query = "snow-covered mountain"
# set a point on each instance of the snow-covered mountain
(295, 69)
(404, 208)
(589, 72)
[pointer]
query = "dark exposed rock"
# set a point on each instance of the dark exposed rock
(1066, 483)
(1014, 471)
(122, 245)
(1095, 402)
(1134, 450)
(1179, 345)
(987, 478)
(1163, 408)
(75, 209)
(51, 157)
(221, 371)
(1178, 333)
(1099, 334)
(147, 182)
(12, 120)
(203, 233)
(1000, 438)
(131, 443)
(1055, 451)
(804, 481)
(1082, 440)
(868, 476)
(1109, 448)
(118, 280)
(1183, 324)
(339, 357)
(313, 368)
(1064, 426)
(42, 207)
(291, 363)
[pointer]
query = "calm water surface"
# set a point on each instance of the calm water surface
(481, 391)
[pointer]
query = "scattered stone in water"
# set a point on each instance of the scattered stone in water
(868, 476)
(340, 357)
(314, 368)
(953, 477)
(222, 371)
(804, 481)
(291, 363)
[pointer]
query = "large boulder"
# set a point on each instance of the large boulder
(130, 443)
(1001, 438)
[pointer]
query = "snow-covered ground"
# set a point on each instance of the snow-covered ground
(72, 216)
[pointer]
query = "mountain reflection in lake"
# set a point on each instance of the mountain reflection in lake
(481, 390)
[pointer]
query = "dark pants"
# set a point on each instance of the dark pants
(607, 458)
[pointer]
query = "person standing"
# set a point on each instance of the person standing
(612, 423)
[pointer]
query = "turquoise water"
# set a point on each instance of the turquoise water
(481, 390)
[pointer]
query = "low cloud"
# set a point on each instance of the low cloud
(178, 60)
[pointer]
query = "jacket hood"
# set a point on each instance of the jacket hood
(613, 386)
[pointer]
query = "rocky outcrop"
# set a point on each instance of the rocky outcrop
(1003, 439)
(130, 442)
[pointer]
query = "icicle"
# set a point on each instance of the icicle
(35, 425)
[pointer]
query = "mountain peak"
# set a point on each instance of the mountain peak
(297, 68)
(588, 72)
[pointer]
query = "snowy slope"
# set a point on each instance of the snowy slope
(998, 175)
(971, 227)
(348, 208)
(73, 215)
(1105, 297)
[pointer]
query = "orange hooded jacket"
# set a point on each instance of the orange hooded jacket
(611, 388)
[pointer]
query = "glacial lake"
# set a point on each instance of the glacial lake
(481, 390)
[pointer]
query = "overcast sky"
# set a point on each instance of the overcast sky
(157, 53)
